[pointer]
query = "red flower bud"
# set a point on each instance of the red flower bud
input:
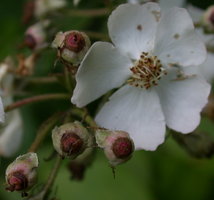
(118, 146)
(71, 139)
(71, 143)
(74, 41)
(17, 181)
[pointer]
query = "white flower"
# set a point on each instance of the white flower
(10, 132)
(164, 4)
(43, 7)
(12, 129)
(142, 64)
(206, 69)
(76, 2)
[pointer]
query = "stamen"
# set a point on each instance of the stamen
(147, 71)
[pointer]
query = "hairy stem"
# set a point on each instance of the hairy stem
(51, 178)
(87, 12)
(83, 114)
(38, 98)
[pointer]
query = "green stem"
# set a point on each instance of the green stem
(42, 80)
(38, 98)
(44, 130)
(83, 114)
(87, 12)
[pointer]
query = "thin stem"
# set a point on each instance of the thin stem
(42, 80)
(68, 78)
(50, 180)
(38, 98)
(85, 116)
(87, 12)
(44, 130)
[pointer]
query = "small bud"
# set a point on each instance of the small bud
(21, 174)
(118, 146)
(35, 35)
(72, 46)
(71, 139)
(26, 64)
(208, 18)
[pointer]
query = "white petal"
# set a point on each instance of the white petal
(205, 70)
(11, 135)
(195, 12)
(176, 41)
(2, 114)
(138, 112)
(132, 27)
(102, 69)
(166, 4)
(182, 102)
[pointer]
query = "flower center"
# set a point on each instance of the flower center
(146, 71)
(71, 143)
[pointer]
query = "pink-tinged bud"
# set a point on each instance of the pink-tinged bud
(72, 46)
(118, 146)
(71, 139)
(17, 181)
(74, 41)
(208, 19)
(21, 174)
(35, 35)
(122, 147)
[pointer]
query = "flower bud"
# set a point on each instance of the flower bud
(26, 64)
(118, 146)
(21, 174)
(208, 18)
(71, 139)
(72, 46)
(35, 35)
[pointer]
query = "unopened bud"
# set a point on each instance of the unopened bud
(21, 174)
(71, 139)
(208, 19)
(118, 146)
(35, 35)
(72, 46)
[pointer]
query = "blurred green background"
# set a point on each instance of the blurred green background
(168, 173)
